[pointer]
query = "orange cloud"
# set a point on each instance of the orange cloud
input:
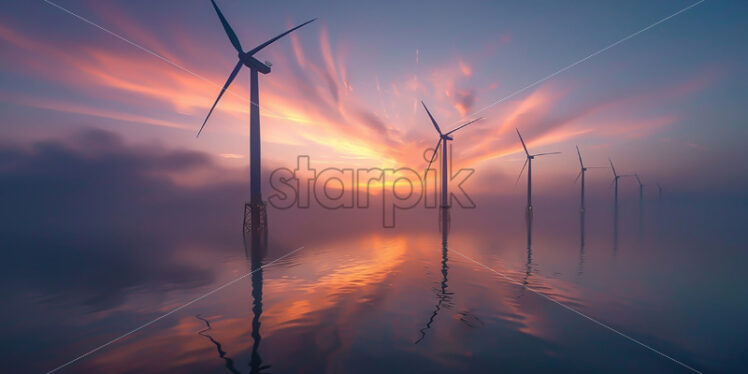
(309, 101)
(465, 68)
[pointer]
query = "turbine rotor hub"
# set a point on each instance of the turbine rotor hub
(253, 63)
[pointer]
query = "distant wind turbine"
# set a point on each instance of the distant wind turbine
(443, 138)
(528, 164)
(659, 192)
(641, 188)
(255, 66)
(616, 177)
(581, 174)
(641, 205)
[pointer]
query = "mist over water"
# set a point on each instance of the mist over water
(111, 244)
(125, 238)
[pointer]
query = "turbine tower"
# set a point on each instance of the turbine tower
(255, 66)
(443, 138)
(641, 206)
(528, 164)
(641, 188)
(641, 200)
(616, 177)
(659, 193)
(582, 172)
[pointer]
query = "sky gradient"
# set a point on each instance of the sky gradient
(667, 103)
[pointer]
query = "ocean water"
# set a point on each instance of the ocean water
(662, 290)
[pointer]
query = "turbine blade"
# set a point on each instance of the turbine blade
(612, 167)
(547, 153)
(267, 43)
(464, 124)
(578, 175)
(521, 171)
(228, 29)
(433, 156)
(580, 157)
(432, 118)
(637, 178)
(523, 143)
(225, 86)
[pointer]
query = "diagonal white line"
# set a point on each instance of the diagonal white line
(567, 67)
(171, 312)
(577, 312)
(160, 57)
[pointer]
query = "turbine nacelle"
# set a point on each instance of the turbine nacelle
(530, 157)
(254, 63)
(586, 168)
(245, 58)
(443, 136)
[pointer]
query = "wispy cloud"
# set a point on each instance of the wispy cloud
(310, 101)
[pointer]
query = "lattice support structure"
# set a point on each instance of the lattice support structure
(255, 217)
(256, 245)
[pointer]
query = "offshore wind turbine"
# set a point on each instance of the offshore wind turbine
(641, 188)
(659, 193)
(659, 210)
(528, 164)
(616, 177)
(582, 171)
(444, 138)
(641, 205)
(255, 66)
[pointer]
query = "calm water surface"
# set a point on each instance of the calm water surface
(357, 299)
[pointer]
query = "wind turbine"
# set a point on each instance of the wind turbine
(616, 177)
(641, 188)
(443, 138)
(528, 164)
(581, 174)
(255, 66)
(659, 193)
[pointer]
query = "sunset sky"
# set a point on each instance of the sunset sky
(668, 103)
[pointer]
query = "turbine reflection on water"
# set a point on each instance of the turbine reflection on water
(221, 353)
(442, 294)
(256, 252)
(255, 247)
